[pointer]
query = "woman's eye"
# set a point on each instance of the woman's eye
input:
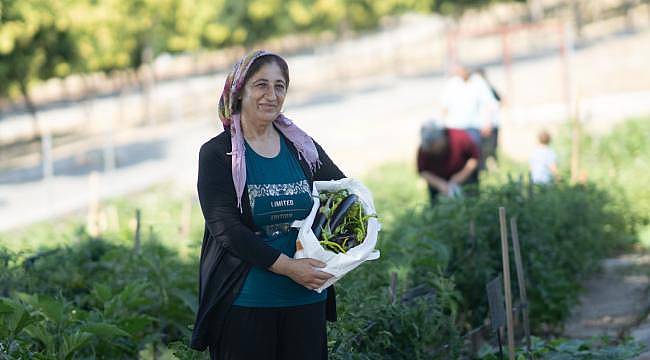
(279, 87)
(261, 86)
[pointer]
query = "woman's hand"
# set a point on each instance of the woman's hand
(302, 271)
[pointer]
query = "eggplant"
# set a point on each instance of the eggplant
(341, 211)
(352, 242)
(321, 218)
(346, 241)
(319, 223)
(339, 239)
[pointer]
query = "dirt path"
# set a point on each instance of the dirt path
(615, 302)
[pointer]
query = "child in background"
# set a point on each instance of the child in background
(543, 167)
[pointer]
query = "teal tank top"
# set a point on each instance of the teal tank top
(279, 194)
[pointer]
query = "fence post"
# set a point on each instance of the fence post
(46, 149)
(47, 167)
(576, 138)
(109, 147)
(566, 51)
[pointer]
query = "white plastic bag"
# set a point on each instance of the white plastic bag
(308, 246)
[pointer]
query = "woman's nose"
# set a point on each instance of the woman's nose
(270, 93)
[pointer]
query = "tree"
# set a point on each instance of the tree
(35, 44)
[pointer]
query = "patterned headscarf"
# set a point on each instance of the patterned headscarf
(231, 90)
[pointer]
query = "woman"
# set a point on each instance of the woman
(255, 178)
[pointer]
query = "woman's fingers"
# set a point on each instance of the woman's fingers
(306, 273)
(316, 263)
(315, 285)
(316, 280)
(321, 275)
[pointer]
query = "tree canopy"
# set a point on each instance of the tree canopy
(41, 39)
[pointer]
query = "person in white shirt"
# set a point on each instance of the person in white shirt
(468, 104)
(543, 166)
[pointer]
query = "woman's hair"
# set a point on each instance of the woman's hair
(255, 67)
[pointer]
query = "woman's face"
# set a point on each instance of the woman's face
(263, 94)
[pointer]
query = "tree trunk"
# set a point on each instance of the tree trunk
(628, 5)
(535, 10)
(145, 80)
(577, 17)
(87, 100)
(36, 128)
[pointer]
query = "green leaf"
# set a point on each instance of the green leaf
(187, 298)
(5, 308)
(136, 324)
(104, 330)
(20, 317)
(52, 309)
(74, 342)
(45, 337)
(102, 293)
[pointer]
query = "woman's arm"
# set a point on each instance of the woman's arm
(216, 189)
(303, 271)
(224, 222)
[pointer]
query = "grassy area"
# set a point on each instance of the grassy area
(620, 162)
(173, 216)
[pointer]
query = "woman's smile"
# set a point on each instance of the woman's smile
(267, 107)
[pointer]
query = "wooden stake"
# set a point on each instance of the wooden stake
(136, 241)
(186, 220)
(393, 287)
(506, 282)
(523, 298)
(113, 218)
(472, 232)
(500, 343)
(92, 220)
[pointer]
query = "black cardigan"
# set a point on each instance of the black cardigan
(230, 246)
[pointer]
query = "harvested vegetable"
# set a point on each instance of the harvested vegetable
(341, 223)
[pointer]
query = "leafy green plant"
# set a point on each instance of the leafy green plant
(152, 301)
(54, 329)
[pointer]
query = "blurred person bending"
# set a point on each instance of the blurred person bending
(447, 160)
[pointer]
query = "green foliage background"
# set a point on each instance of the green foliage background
(42, 39)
